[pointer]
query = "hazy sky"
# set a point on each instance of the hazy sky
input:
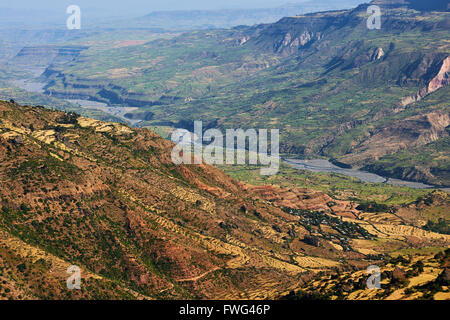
(137, 5)
(142, 7)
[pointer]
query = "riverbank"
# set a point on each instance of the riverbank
(315, 165)
(118, 112)
(322, 165)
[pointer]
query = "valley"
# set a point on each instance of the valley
(88, 178)
(298, 75)
(311, 165)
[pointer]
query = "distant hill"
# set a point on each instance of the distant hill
(421, 5)
(227, 18)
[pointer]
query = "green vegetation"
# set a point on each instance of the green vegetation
(335, 185)
(347, 230)
(434, 156)
(372, 206)
(441, 226)
(109, 199)
(329, 95)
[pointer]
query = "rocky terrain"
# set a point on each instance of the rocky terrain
(425, 277)
(107, 198)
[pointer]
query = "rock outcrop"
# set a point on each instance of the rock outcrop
(441, 79)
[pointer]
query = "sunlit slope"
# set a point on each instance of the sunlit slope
(107, 198)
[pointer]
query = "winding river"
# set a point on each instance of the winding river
(316, 165)
(321, 165)
(119, 112)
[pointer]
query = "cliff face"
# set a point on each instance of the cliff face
(289, 35)
(381, 138)
(442, 78)
(292, 34)
(43, 56)
(411, 132)
(439, 80)
(414, 131)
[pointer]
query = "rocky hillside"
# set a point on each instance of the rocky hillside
(422, 277)
(107, 198)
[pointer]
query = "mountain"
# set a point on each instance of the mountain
(332, 86)
(433, 5)
(47, 54)
(107, 198)
(228, 18)
(107, 16)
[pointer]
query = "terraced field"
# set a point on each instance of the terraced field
(91, 191)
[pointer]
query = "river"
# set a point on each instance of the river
(119, 112)
(315, 165)
(321, 165)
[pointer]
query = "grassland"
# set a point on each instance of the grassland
(335, 185)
